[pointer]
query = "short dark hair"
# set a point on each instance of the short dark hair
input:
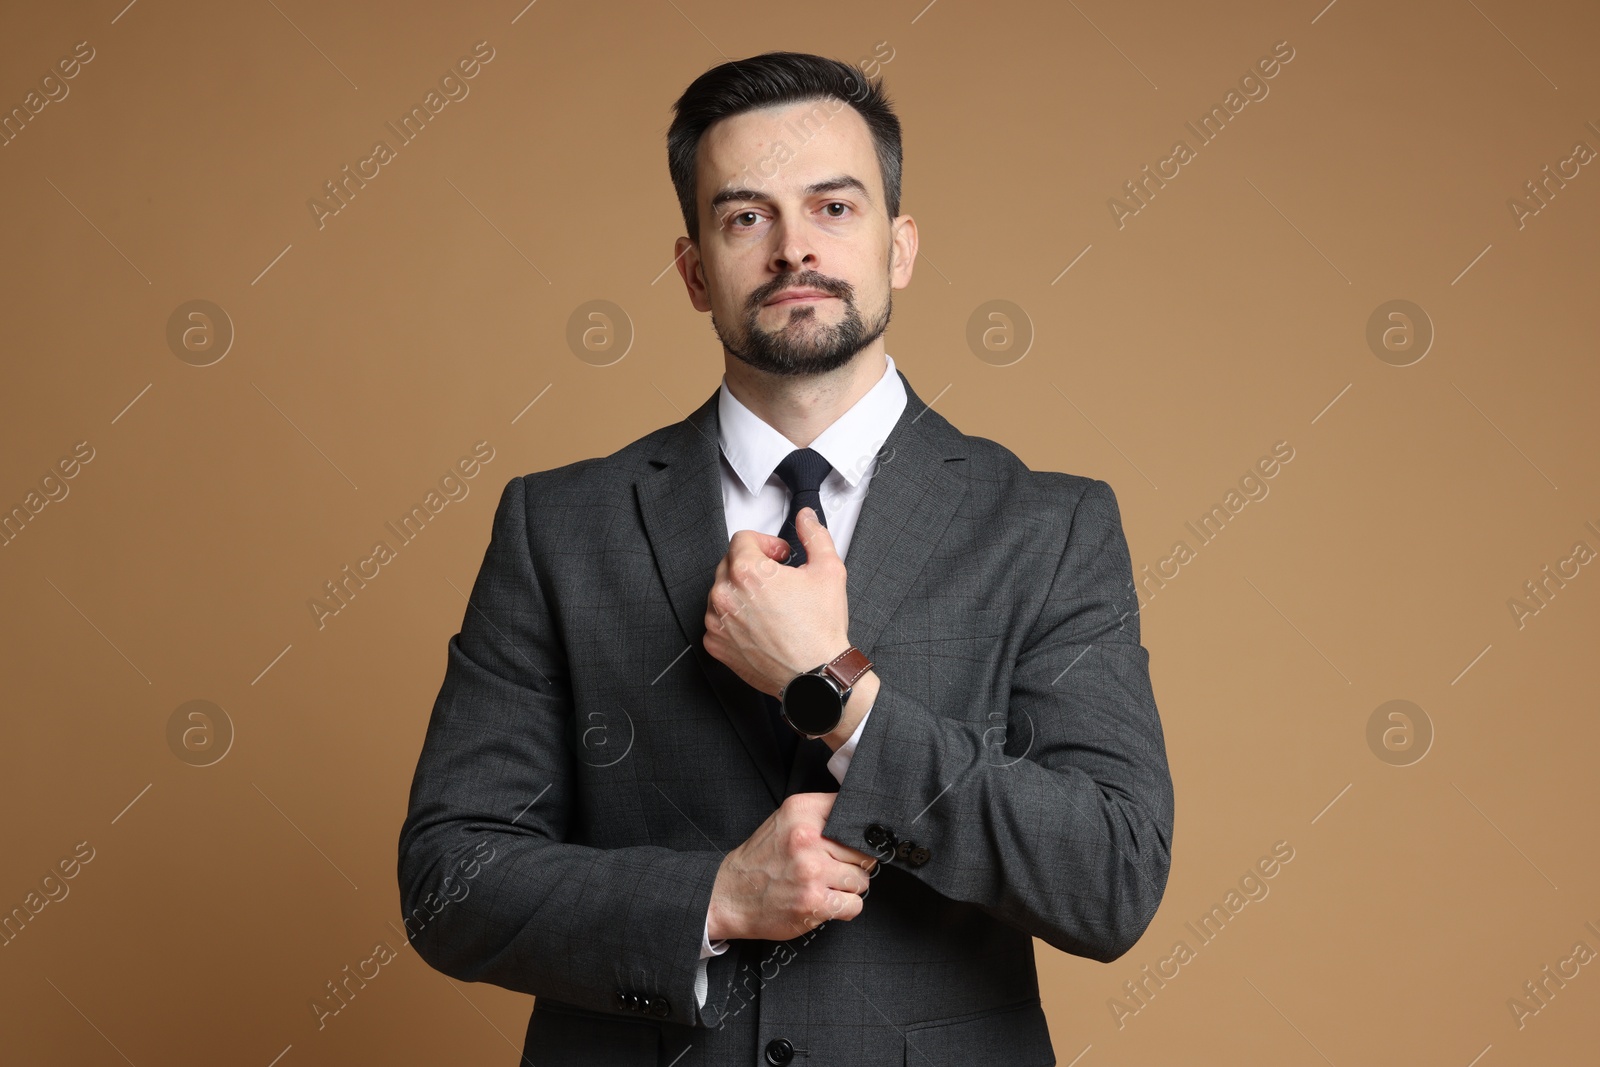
(764, 81)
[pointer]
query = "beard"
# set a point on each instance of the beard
(802, 345)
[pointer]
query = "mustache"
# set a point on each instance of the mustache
(843, 290)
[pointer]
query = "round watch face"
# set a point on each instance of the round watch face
(812, 704)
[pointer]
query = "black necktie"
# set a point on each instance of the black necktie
(802, 471)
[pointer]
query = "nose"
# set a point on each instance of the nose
(791, 250)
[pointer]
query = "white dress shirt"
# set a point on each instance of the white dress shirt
(755, 498)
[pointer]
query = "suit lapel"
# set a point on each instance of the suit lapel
(913, 493)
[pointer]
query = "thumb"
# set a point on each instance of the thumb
(813, 535)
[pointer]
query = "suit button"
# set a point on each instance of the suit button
(635, 1002)
(878, 837)
(779, 1052)
(622, 1001)
(661, 1009)
(646, 1003)
(911, 853)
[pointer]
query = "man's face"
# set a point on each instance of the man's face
(796, 258)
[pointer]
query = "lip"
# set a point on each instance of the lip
(798, 296)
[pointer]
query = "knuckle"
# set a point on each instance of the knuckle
(792, 812)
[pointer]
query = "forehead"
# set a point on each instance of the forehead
(786, 147)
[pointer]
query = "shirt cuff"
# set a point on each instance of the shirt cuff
(707, 950)
(839, 762)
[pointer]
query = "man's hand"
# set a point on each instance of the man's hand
(788, 879)
(769, 622)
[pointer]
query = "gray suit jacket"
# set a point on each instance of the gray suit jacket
(588, 765)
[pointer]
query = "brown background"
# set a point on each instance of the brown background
(370, 354)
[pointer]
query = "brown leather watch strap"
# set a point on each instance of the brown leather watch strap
(847, 667)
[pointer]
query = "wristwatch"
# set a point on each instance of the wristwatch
(813, 702)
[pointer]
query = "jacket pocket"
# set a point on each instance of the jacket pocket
(1017, 1036)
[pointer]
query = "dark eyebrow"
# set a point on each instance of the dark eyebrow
(829, 185)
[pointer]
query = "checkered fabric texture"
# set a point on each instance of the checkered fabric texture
(584, 734)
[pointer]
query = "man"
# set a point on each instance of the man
(714, 797)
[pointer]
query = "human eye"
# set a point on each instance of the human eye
(836, 204)
(734, 217)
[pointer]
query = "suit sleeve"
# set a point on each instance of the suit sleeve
(1061, 823)
(491, 887)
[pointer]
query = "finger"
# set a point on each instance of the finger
(717, 578)
(835, 905)
(847, 907)
(844, 853)
(848, 877)
(815, 808)
(754, 542)
(848, 856)
(814, 536)
(775, 548)
(714, 617)
(855, 858)
(731, 595)
(841, 906)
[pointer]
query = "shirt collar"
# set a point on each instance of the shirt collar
(850, 443)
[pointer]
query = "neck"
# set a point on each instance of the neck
(802, 407)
